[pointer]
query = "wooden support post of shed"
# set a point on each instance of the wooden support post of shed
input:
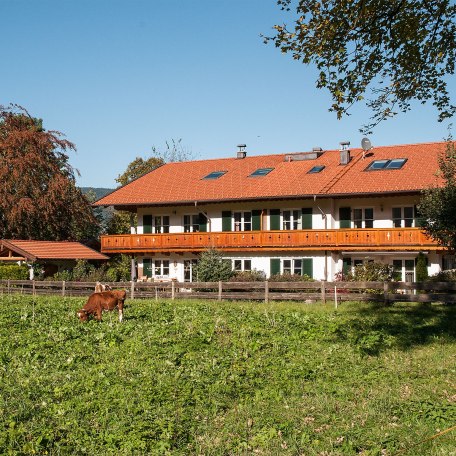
(266, 291)
(63, 287)
(173, 290)
(323, 291)
(220, 288)
(132, 290)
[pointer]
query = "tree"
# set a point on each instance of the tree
(212, 267)
(400, 50)
(437, 208)
(421, 268)
(38, 195)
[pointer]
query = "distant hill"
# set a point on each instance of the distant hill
(99, 192)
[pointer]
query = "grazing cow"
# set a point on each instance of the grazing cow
(103, 302)
(99, 287)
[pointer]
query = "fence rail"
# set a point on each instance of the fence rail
(262, 291)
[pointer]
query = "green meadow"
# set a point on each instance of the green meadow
(227, 378)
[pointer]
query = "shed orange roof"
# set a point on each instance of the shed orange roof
(184, 183)
(55, 250)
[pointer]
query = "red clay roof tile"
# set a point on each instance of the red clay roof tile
(182, 182)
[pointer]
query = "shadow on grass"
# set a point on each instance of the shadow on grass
(410, 324)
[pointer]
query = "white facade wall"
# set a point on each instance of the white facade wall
(325, 215)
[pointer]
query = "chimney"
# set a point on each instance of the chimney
(344, 152)
(241, 153)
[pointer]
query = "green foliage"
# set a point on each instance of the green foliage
(370, 272)
(13, 272)
(248, 276)
(194, 378)
(290, 278)
(437, 207)
(444, 276)
(399, 51)
(212, 267)
(421, 268)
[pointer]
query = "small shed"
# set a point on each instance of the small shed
(54, 256)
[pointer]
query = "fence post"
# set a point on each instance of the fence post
(266, 291)
(8, 286)
(385, 293)
(33, 288)
(323, 291)
(132, 290)
(335, 297)
(173, 290)
(220, 287)
(63, 287)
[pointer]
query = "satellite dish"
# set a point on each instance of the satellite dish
(366, 144)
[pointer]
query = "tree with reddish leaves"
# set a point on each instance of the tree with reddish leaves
(38, 194)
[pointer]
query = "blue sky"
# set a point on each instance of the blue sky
(118, 77)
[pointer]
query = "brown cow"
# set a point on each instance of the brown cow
(99, 287)
(103, 302)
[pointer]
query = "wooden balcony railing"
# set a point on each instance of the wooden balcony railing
(334, 239)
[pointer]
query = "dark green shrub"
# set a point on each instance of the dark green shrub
(290, 278)
(248, 276)
(13, 272)
(212, 267)
(421, 268)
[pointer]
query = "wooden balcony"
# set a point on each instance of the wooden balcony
(388, 239)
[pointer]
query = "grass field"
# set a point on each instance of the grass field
(208, 378)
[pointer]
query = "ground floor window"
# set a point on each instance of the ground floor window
(161, 268)
(190, 270)
(241, 265)
(299, 266)
(404, 270)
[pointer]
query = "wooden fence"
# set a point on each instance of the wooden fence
(261, 291)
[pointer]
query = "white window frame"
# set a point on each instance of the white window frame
(242, 221)
(160, 227)
(193, 226)
(291, 266)
(402, 218)
(240, 265)
(160, 268)
(291, 219)
(363, 219)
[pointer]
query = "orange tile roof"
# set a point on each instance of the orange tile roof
(183, 183)
(55, 250)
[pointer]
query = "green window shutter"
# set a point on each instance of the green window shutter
(346, 265)
(345, 217)
(226, 220)
(202, 223)
(307, 267)
(147, 224)
(256, 219)
(307, 218)
(147, 267)
(275, 266)
(274, 219)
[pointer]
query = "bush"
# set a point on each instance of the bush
(421, 268)
(13, 272)
(248, 276)
(369, 272)
(212, 267)
(290, 278)
(444, 276)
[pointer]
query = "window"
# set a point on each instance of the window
(241, 265)
(191, 223)
(316, 169)
(242, 221)
(161, 224)
(291, 220)
(403, 217)
(214, 175)
(404, 270)
(261, 172)
(161, 268)
(363, 218)
(190, 270)
(395, 163)
(292, 266)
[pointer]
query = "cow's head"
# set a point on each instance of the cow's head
(82, 314)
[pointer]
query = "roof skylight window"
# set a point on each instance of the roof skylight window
(261, 172)
(215, 175)
(395, 163)
(316, 169)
